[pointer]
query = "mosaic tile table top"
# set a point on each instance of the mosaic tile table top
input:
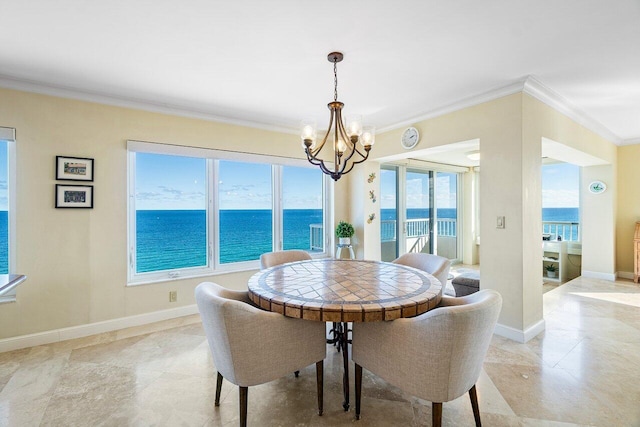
(340, 290)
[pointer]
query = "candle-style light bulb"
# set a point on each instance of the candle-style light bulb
(354, 125)
(368, 135)
(308, 132)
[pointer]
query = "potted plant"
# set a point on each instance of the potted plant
(551, 270)
(344, 232)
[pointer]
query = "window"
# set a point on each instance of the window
(245, 201)
(302, 204)
(4, 208)
(171, 212)
(388, 212)
(193, 212)
(7, 204)
(561, 201)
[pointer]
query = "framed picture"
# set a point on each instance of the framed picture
(74, 168)
(74, 196)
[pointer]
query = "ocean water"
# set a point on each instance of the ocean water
(561, 214)
(4, 242)
(177, 239)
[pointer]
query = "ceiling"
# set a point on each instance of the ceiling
(264, 64)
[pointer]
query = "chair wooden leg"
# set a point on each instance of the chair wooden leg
(436, 414)
(358, 389)
(320, 384)
(218, 389)
(243, 406)
(474, 404)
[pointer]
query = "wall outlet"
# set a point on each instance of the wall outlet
(173, 296)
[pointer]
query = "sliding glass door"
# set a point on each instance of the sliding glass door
(389, 213)
(418, 218)
(419, 212)
(447, 214)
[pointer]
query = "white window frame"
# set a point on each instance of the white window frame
(8, 135)
(213, 157)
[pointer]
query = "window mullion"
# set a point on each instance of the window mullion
(214, 214)
(131, 259)
(278, 215)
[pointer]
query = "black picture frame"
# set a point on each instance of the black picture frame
(74, 196)
(74, 168)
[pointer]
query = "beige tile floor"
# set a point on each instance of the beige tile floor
(583, 370)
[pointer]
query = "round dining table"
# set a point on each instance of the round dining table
(342, 291)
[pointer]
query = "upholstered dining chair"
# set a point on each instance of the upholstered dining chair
(251, 346)
(271, 259)
(436, 356)
(435, 265)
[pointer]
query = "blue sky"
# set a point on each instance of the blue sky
(418, 190)
(172, 182)
(560, 188)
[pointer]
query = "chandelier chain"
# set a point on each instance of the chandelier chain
(335, 79)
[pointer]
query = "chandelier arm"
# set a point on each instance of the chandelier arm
(348, 142)
(353, 162)
(363, 156)
(324, 168)
(324, 140)
(318, 162)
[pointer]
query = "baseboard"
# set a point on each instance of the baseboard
(625, 275)
(597, 275)
(48, 337)
(518, 335)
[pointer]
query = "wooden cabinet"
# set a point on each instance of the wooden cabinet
(636, 253)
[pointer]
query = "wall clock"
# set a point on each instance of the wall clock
(597, 187)
(410, 138)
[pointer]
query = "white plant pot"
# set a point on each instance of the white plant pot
(344, 240)
(551, 274)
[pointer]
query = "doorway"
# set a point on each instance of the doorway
(419, 212)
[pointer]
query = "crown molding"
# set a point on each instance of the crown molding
(531, 86)
(124, 102)
(631, 141)
(542, 93)
(471, 101)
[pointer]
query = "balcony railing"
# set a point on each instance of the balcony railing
(316, 237)
(568, 230)
(447, 227)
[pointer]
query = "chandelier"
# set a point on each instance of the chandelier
(346, 153)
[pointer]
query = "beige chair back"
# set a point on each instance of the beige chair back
(251, 346)
(271, 259)
(433, 264)
(436, 356)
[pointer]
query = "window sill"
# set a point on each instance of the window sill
(8, 283)
(7, 299)
(224, 269)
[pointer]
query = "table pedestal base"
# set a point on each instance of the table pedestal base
(341, 338)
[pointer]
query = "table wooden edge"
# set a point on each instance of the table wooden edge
(355, 312)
